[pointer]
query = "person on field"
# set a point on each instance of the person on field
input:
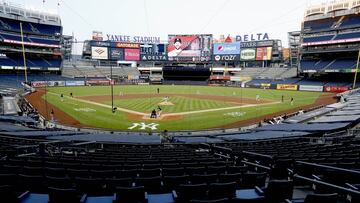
(153, 114)
(62, 97)
(158, 90)
(292, 101)
(282, 98)
(71, 94)
(257, 97)
(52, 115)
(159, 111)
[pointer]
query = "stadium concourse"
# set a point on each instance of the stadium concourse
(311, 155)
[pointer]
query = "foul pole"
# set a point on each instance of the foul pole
(356, 70)
(23, 51)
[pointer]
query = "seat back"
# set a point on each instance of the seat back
(279, 190)
(328, 198)
(222, 190)
(187, 192)
(224, 200)
(250, 180)
(130, 194)
(57, 195)
(8, 194)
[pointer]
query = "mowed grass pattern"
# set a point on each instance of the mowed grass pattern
(181, 104)
(103, 118)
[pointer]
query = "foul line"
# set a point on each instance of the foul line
(167, 114)
(219, 109)
(103, 105)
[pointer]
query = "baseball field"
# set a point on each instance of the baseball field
(175, 107)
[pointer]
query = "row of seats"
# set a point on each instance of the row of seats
(34, 28)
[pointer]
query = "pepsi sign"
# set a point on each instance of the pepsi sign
(227, 48)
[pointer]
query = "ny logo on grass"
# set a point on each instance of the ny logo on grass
(143, 126)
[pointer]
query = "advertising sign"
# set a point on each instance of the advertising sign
(229, 57)
(252, 37)
(190, 47)
(74, 83)
(116, 54)
(56, 83)
(39, 83)
(219, 77)
(127, 45)
(99, 53)
(132, 54)
(263, 53)
(227, 48)
(247, 54)
(98, 82)
(100, 44)
(267, 43)
(313, 88)
(286, 87)
(153, 52)
(336, 89)
(265, 85)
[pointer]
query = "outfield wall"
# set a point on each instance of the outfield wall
(293, 87)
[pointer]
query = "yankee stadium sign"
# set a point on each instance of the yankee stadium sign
(135, 39)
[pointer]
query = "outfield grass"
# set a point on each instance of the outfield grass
(103, 118)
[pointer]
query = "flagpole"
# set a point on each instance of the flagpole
(23, 51)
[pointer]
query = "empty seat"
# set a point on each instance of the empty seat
(130, 195)
(173, 171)
(187, 192)
(58, 195)
(113, 183)
(223, 200)
(250, 180)
(91, 186)
(151, 184)
(173, 182)
(59, 182)
(7, 194)
(315, 198)
(276, 191)
(222, 190)
(31, 183)
(149, 172)
(203, 178)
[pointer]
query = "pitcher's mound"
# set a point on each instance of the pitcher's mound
(166, 103)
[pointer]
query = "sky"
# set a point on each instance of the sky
(162, 17)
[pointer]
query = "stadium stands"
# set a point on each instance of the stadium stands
(270, 73)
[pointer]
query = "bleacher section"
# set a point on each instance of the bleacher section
(30, 27)
(270, 73)
(318, 25)
(42, 33)
(337, 65)
(90, 69)
(318, 38)
(350, 21)
(30, 62)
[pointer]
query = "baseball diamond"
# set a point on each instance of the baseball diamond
(192, 105)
